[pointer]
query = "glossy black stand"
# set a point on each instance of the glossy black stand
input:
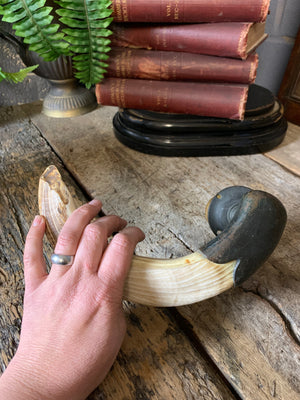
(165, 134)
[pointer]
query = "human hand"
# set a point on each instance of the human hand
(73, 322)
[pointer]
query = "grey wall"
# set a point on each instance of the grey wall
(282, 26)
(32, 89)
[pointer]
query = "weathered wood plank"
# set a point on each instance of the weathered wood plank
(166, 197)
(157, 360)
(24, 153)
(288, 152)
(250, 343)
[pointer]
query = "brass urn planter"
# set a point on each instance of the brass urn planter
(66, 97)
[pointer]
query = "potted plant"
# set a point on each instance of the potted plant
(68, 39)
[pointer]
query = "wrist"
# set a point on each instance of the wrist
(16, 384)
(23, 380)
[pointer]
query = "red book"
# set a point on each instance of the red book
(205, 99)
(189, 10)
(177, 66)
(225, 39)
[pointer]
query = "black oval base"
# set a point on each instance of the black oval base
(164, 134)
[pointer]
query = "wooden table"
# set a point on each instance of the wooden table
(243, 344)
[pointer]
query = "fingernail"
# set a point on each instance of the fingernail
(95, 202)
(38, 219)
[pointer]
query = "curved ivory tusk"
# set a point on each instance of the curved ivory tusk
(160, 282)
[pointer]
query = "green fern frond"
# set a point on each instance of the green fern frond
(87, 32)
(32, 21)
(16, 77)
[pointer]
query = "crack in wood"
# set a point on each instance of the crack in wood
(65, 167)
(287, 322)
(185, 326)
(177, 237)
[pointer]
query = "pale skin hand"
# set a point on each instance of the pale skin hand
(73, 323)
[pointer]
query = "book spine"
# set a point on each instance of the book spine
(174, 66)
(204, 99)
(189, 10)
(228, 39)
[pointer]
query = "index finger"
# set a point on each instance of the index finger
(34, 262)
(69, 237)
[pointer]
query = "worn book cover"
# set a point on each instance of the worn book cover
(197, 98)
(175, 11)
(179, 66)
(225, 39)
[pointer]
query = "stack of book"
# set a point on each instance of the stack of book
(184, 56)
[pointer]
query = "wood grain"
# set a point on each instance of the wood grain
(252, 332)
(157, 359)
(24, 153)
(287, 153)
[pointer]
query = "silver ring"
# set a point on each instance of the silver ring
(61, 259)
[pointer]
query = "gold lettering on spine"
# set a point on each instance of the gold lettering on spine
(126, 63)
(162, 98)
(129, 62)
(176, 10)
(125, 10)
(168, 9)
(118, 93)
(174, 67)
(172, 9)
(165, 97)
(118, 10)
(164, 35)
(122, 93)
(161, 36)
(123, 63)
(157, 39)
